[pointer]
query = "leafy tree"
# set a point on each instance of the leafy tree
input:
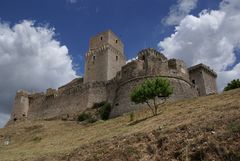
(150, 90)
(232, 85)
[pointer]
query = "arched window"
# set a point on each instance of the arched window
(116, 41)
(116, 58)
(101, 38)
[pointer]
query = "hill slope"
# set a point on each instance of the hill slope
(204, 128)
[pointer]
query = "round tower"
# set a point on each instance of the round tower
(104, 58)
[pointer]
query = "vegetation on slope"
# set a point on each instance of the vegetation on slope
(232, 85)
(205, 128)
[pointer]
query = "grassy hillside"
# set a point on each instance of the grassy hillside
(205, 128)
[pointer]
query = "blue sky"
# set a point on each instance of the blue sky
(136, 22)
(43, 42)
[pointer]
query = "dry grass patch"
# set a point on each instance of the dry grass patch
(198, 129)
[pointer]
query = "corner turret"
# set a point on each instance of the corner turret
(204, 78)
(20, 106)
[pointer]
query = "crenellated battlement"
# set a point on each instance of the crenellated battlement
(108, 78)
(150, 52)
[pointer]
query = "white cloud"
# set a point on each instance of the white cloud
(31, 59)
(179, 11)
(210, 38)
(132, 59)
(3, 119)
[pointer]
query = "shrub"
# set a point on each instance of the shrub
(232, 85)
(87, 117)
(105, 111)
(83, 116)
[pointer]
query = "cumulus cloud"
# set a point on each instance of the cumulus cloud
(212, 38)
(3, 119)
(132, 59)
(179, 11)
(32, 59)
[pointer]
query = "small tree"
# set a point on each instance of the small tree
(152, 89)
(232, 85)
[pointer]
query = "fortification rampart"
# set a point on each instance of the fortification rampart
(181, 89)
(109, 78)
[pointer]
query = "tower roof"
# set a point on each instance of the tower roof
(204, 67)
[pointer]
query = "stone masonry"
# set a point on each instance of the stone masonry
(108, 78)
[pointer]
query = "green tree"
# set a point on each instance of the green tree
(232, 85)
(151, 90)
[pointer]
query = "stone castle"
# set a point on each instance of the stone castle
(109, 78)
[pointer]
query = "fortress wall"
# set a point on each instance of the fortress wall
(132, 70)
(177, 68)
(111, 89)
(71, 102)
(197, 78)
(35, 103)
(157, 67)
(210, 83)
(96, 93)
(123, 104)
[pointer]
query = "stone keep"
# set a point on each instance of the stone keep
(104, 58)
(109, 78)
(204, 78)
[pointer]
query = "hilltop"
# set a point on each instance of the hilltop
(203, 128)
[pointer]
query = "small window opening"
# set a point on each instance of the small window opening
(116, 104)
(101, 38)
(116, 58)
(193, 81)
(94, 57)
(116, 41)
(15, 119)
(23, 115)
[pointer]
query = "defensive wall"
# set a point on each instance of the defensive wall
(109, 78)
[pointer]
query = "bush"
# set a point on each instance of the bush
(86, 117)
(83, 116)
(105, 111)
(232, 85)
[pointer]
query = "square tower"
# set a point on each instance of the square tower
(204, 78)
(104, 58)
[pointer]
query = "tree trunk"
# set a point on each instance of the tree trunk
(155, 107)
(150, 107)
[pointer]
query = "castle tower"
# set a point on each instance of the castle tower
(104, 58)
(204, 78)
(20, 106)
